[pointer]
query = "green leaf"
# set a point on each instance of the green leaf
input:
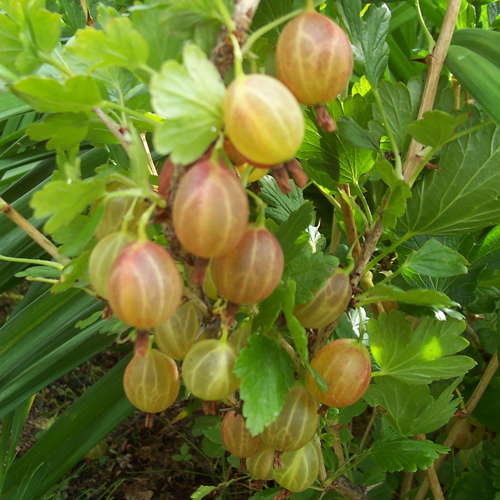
(46, 28)
(368, 35)
(462, 196)
(269, 310)
(309, 272)
(279, 205)
(11, 47)
(290, 232)
(67, 235)
(355, 135)
(87, 421)
(419, 357)
(394, 453)
(436, 128)
(412, 410)
(190, 99)
(72, 14)
(73, 272)
(64, 130)
(63, 201)
(488, 408)
(418, 297)
(437, 260)
(40, 271)
(268, 11)
(266, 373)
(119, 44)
(79, 93)
(296, 330)
(203, 491)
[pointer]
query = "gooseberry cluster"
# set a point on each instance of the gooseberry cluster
(207, 207)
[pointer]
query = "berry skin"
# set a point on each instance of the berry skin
(252, 270)
(314, 58)
(102, 257)
(208, 370)
(263, 119)
(210, 210)
(151, 381)
(296, 424)
(237, 438)
(345, 366)
(144, 287)
(328, 303)
(261, 464)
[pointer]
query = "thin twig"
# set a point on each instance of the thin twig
(406, 484)
(430, 472)
(322, 336)
(152, 167)
(31, 231)
(112, 127)
(368, 429)
(337, 444)
(197, 301)
(322, 469)
(460, 422)
(289, 349)
(349, 222)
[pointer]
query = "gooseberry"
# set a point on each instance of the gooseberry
(207, 370)
(239, 338)
(300, 468)
(263, 119)
(210, 210)
(314, 58)
(345, 366)
(102, 257)
(297, 422)
(261, 464)
(177, 335)
(151, 381)
(328, 303)
(237, 438)
(470, 436)
(257, 174)
(144, 287)
(252, 270)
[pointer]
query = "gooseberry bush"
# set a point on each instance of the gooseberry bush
(286, 212)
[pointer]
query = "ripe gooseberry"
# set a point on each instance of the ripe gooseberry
(263, 119)
(177, 335)
(297, 422)
(151, 381)
(261, 464)
(257, 174)
(314, 58)
(252, 270)
(328, 303)
(102, 257)
(470, 436)
(144, 287)
(345, 366)
(207, 370)
(238, 159)
(300, 468)
(237, 438)
(210, 210)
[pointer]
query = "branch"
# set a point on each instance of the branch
(31, 231)
(222, 55)
(348, 488)
(432, 478)
(110, 124)
(350, 224)
(322, 336)
(459, 424)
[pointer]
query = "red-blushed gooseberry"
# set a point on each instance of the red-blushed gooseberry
(252, 270)
(314, 58)
(297, 422)
(144, 287)
(237, 438)
(151, 381)
(102, 257)
(263, 119)
(328, 303)
(210, 210)
(345, 366)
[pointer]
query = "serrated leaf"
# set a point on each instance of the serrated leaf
(119, 44)
(437, 260)
(63, 201)
(190, 98)
(45, 28)
(297, 331)
(419, 357)
(289, 233)
(436, 128)
(412, 410)
(40, 271)
(279, 205)
(368, 35)
(462, 196)
(11, 47)
(64, 130)
(73, 15)
(79, 93)
(266, 373)
(394, 453)
(269, 310)
(72, 273)
(309, 272)
(355, 135)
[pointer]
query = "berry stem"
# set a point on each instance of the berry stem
(238, 57)
(39, 262)
(143, 341)
(225, 15)
(261, 209)
(144, 221)
(224, 335)
(310, 6)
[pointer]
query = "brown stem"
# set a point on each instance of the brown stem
(31, 231)
(435, 62)
(349, 222)
(152, 167)
(289, 349)
(113, 128)
(322, 469)
(460, 422)
(349, 489)
(321, 338)
(430, 472)
(141, 343)
(337, 444)
(406, 484)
